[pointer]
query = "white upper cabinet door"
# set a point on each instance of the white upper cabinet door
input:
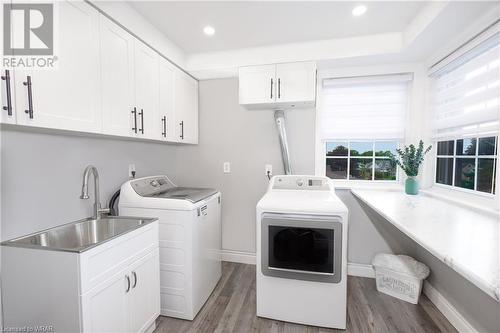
(67, 97)
(186, 107)
(167, 114)
(147, 91)
(257, 84)
(117, 77)
(106, 308)
(296, 82)
(7, 100)
(144, 303)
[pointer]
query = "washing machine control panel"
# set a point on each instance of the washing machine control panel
(301, 183)
(150, 185)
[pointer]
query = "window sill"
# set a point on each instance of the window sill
(478, 202)
(464, 239)
(366, 184)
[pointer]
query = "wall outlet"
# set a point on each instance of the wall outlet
(131, 171)
(227, 167)
(269, 170)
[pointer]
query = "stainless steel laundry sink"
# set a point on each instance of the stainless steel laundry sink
(80, 235)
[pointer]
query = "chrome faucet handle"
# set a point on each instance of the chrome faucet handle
(101, 211)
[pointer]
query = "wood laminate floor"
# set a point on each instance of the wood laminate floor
(231, 308)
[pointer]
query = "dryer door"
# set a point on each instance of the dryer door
(303, 247)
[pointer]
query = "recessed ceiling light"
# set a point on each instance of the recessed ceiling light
(209, 30)
(358, 10)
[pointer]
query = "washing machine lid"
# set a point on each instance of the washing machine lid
(161, 187)
(192, 194)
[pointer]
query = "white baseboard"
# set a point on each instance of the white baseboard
(238, 256)
(447, 309)
(361, 270)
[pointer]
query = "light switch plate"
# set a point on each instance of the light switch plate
(227, 167)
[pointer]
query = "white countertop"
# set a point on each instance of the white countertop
(466, 240)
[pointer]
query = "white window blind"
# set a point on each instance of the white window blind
(466, 97)
(364, 107)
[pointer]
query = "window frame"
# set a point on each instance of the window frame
(476, 157)
(372, 158)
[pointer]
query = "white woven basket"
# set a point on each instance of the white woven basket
(400, 276)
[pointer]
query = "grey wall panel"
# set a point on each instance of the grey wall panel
(42, 175)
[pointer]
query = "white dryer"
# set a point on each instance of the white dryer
(190, 239)
(302, 252)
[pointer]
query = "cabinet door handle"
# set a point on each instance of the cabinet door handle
(182, 129)
(164, 123)
(134, 274)
(279, 88)
(28, 84)
(142, 121)
(271, 88)
(6, 78)
(128, 283)
(134, 112)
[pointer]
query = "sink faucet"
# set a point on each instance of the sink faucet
(85, 191)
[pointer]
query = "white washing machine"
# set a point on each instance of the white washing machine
(190, 239)
(302, 252)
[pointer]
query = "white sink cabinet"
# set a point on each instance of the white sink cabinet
(113, 287)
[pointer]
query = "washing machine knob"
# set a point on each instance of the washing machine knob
(300, 182)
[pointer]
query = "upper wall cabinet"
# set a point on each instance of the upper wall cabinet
(8, 110)
(278, 86)
(7, 103)
(117, 78)
(257, 84)
(167, 104)
(106, 81)
(147, 92)
(67, 97)
(186, 107)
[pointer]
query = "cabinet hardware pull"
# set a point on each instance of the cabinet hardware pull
(164, 122)
(134, 274)
(7, 108)
(182, 129)
(128, 283)
(142, 121)
(28, 84)
(271, 88)
(134, 112)
(279, 88)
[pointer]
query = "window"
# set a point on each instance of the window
(468, 163)
(361, 160)
(466, 105)
(361, 121)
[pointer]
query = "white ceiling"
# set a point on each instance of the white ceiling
(261, 23)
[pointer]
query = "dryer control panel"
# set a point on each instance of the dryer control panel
(309, 183)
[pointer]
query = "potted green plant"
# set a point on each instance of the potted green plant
(409, 159)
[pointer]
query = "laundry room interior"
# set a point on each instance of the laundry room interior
(250, 166)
